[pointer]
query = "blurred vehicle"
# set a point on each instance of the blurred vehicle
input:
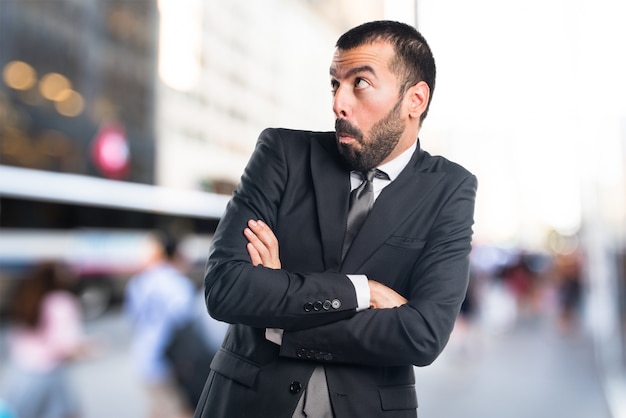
(97, 226)
(103, 259)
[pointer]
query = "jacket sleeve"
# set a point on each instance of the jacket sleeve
(238, 292)
(417, 332)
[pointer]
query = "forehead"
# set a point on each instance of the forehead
(375, 56)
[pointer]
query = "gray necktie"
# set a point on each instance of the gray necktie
(361, 201)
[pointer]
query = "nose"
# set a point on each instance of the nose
(341, 103)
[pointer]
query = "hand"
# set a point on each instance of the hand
(263, 245)
(382, 297)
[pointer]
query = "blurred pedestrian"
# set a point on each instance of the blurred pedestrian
(45, 335)
(463, 338)
(569, 289)
(521, 280)
(159, 300)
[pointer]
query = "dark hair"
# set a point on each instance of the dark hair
(169, 242)
(40, 280)
(414, 61)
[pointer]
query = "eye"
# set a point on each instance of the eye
(334, 85)
(360, 83)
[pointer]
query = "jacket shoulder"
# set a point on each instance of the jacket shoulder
(299, 142)
(438, 163)
(285, 134)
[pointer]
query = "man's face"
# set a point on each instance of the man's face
(370, 117)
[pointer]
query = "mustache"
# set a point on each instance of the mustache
(344, 127)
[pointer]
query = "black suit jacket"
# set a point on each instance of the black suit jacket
(415, 240)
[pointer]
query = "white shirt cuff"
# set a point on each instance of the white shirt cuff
(359, 281)
(274, 335)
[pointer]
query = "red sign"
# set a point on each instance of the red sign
(110, 152)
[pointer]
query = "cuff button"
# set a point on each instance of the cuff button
(295, 387)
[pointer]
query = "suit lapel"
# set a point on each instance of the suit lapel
(394, 205)
(331, 182)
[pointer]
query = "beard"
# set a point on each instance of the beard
(382, 139)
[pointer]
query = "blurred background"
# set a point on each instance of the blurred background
(118, 117)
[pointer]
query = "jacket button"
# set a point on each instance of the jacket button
(308, 307)
(301, 353)
(326, 305)
(336, 304)
(295, 387)
(317, 305)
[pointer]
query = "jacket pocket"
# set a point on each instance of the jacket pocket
(405, 242)
(398, 397)
(235, 368)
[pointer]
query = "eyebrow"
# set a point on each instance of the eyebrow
(353, 71)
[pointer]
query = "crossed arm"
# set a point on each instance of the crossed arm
(263, 250)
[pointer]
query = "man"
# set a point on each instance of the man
(323, 328)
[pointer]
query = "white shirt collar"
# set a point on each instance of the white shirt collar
(395, 166)
(392, 168)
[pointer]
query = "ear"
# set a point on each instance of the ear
(418, 96)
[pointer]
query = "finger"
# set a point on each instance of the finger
(383, 297)
(269, 239)
(261, 236)
(255, 258)
(258, 245)
(264, 233)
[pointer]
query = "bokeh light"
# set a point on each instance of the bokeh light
(19, 75)
(53, 86)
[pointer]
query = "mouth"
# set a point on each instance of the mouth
(347, 135)
(345, 138)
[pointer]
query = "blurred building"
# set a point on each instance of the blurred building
(228, 69)
(158, 92)
(77, 96)
(78, 86)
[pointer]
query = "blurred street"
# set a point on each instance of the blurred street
(107, 386)
(529, 370)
